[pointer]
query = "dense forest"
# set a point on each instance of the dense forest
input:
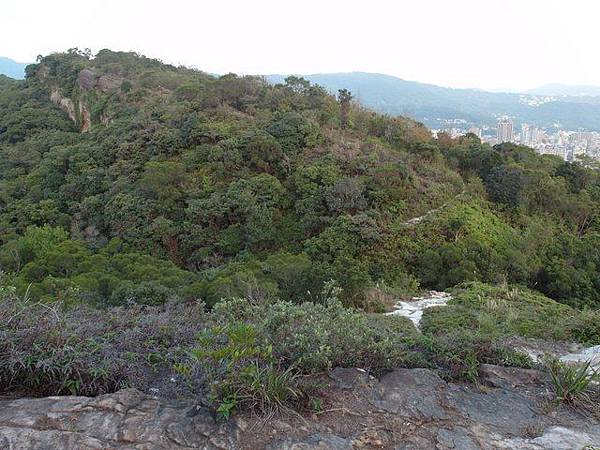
(230, 239)
(123, 179)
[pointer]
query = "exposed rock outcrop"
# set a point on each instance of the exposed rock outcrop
(64, 103)
(76, 106)
(567, 352)
(80, 114)
(406, 409)
(88, 80)
(125, 420)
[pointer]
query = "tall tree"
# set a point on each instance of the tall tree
(344, 97)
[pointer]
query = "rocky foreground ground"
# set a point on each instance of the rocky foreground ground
(405, 409)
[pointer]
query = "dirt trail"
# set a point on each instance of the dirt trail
(418, 220)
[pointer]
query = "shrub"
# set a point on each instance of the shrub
(586, 327)
(52, 350)
(253, 354)
(57, 268)
(146, 293)
(315, 337)
(496, 311)
(574, 385)
(459, 354)
(242, 373)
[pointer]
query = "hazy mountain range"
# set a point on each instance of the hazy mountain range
(566, 90)
(12, 68)
(552, 105)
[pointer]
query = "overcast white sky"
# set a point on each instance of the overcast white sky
(490, 44)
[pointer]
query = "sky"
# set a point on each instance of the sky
(486, 44)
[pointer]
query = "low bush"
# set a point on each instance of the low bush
(576, 385)
(242, 372)
(263, 355)
(316, 337)
(255, 355)
(458, 355)
(497, 311)
(50, 350)
(586, 327)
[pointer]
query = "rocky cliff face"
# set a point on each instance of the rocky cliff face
(406, 409)
(80, 114)
(77, 106)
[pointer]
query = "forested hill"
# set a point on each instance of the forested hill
(124, 179)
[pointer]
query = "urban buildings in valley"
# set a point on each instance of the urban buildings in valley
(569, 145)
(532, 135)
(504, 132)
(476, 131)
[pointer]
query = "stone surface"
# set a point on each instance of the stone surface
(408, 409)
(76, 106)
(88, 80)
(349, 378)
(500, 409)
(511, 377)
(590, 354)
(555, 438)
(125, 420)
(538, 349)
(314, 442)
(411, 393)
(414, 308)
(82, 119)
(456, 438)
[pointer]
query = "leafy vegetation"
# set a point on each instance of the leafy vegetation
(243, 373)
(265, 356)
(576, 385)
(50, 266)
(50, 350)
(134, 193)
(230, 186)
(500, 311)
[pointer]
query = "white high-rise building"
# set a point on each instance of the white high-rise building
(538, 137)
(532, 136)
(524, 134)
(476, 131)
(504, 132)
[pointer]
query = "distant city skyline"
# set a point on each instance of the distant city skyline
(570, 145)
(432, 41)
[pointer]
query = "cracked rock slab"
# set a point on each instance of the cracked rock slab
(127, 419)
(411, 393)
(407, 409)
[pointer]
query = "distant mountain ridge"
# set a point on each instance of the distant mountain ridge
(566, 90)
(440, 107)
(12, 68)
